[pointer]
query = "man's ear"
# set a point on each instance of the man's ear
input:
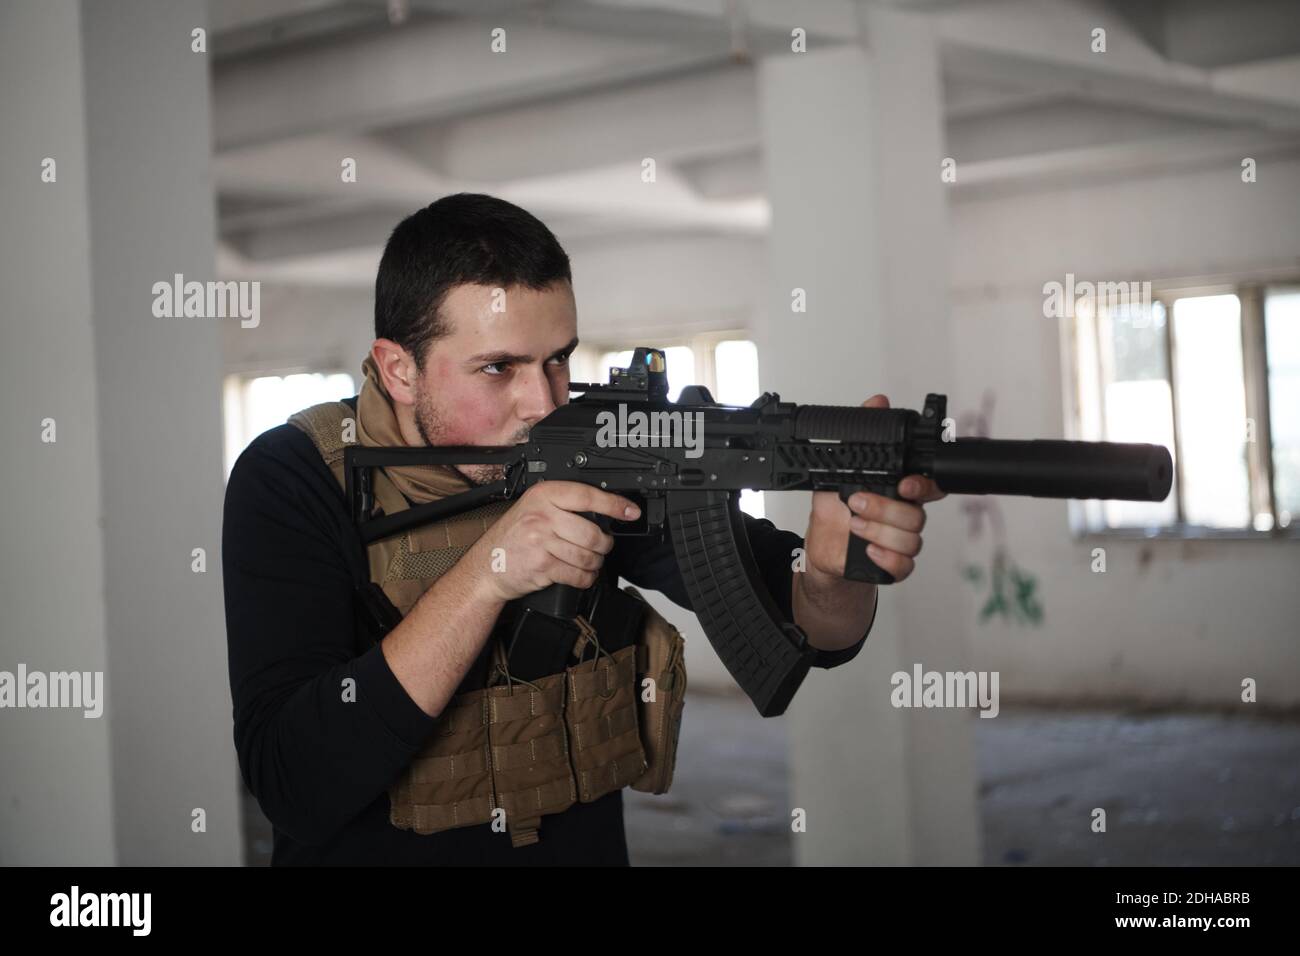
(397, 370)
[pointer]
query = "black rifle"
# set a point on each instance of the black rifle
(771, 445)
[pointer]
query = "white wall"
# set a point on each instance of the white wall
(56, 798)
(1169, 621)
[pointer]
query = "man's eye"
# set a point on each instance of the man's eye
(557, 359)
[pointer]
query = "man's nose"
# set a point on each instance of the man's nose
(536, 400)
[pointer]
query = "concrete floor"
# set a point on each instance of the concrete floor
(1178, 789)
(729, 802)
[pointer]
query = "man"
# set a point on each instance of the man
(449, 368)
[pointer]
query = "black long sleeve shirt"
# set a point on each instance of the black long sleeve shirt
(320, 766)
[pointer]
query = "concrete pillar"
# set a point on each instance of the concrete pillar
(56, 796)
(852, 144)
(101, 524)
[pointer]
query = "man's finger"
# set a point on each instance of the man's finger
(920, 488)
(582, 531)
(575, 555)
(900, 514)
(887, 536)
(899, 565)
(575, 496)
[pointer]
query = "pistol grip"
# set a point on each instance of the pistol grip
(562, 600)
(858, 565)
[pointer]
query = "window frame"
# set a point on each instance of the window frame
(701, 344)
(236, 380)
(1251, 290)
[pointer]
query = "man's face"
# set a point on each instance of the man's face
(496, 373)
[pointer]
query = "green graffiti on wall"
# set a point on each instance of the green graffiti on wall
(1011, 591)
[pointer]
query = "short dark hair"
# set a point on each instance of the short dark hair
(466, 238)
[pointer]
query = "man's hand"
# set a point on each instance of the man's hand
(545, 542)
(833, 611)
(432, 649)
(892, 527)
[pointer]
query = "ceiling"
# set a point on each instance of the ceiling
(410, 90)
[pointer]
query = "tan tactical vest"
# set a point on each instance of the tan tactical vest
(533, 747)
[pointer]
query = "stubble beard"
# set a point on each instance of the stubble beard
(431, 422)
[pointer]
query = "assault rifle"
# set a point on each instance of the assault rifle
(613, 437)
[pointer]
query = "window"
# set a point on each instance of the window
(1282, 337)
(735, 364)
(254, 404)
(724, 363)
(1212, 372)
